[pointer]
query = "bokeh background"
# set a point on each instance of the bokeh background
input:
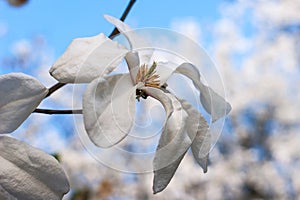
(255, 45)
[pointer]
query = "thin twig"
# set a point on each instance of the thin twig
(51, 112)
(54, 88)
(125, 13)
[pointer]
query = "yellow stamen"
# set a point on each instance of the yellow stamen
(148, 76)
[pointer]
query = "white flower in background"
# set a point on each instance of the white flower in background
(109, 101)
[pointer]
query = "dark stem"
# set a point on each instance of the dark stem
(125, 13)
(54, 88)
(51, 112)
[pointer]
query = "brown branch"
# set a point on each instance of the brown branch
(124, 15)
(54, 88)
(51, 112)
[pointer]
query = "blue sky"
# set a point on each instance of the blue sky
(61, 21)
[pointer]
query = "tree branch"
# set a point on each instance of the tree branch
(54, 88)
(51, 112)
(124, 15)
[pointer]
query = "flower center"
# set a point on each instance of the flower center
(148, 76)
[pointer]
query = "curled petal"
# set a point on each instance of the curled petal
(20, 95)
(136, 42)
(28, 173)
(88, 58)
(173, 142)
(163, 176)
(198, 131)
(121, 26)
(212, 102)
(109, 109)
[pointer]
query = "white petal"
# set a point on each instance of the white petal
(133, 62)
(197, 129)
(213, 103)
(164, 70)
(109, 109)
(4, 195)
(136, 42)
(20, 95)
(173, 142)
(163, 176)
(28, 173)
(121, 26)
(88, 58)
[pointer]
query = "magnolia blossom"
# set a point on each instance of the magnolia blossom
(109, 101)
(25, 172)
(20, 95)
(29, 173)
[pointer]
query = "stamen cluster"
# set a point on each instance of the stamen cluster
(148, 76)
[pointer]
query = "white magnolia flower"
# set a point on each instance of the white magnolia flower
(109, 101)
(28, 173)
(20, 95)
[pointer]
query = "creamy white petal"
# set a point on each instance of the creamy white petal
(173, 142)
(28, 173)
(212, 102)
(137, 43)
(109, 109)
(20, 95)
(88, 58)
(198, 131)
